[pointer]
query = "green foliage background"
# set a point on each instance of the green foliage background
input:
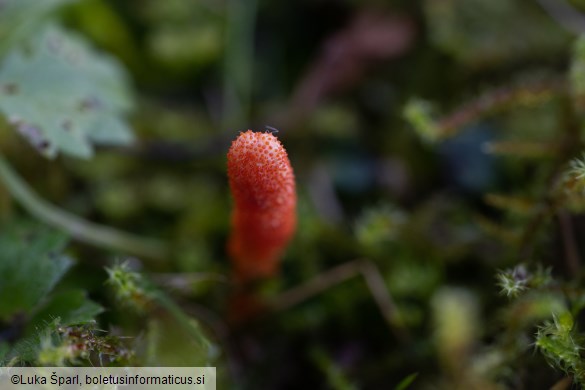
(438, 151)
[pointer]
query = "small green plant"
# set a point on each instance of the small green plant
(561, 345)
(64, 97)
(129, 287)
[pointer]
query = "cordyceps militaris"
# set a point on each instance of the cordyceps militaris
(264, 217)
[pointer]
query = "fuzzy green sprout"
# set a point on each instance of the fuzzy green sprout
(129, 286)
(134, 290)
(573, 185)
(578, 168)
(420, 114)
(513, 282)
(561, 345)
(517, 280)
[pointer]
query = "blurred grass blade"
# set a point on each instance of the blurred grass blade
(406, 382)
(78, 228)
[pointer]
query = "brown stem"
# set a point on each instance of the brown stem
(563, 384)
(571, 143)
(497, 100)
(317, 285)
(339, 274)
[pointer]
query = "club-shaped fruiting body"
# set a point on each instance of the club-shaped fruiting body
(264, 215)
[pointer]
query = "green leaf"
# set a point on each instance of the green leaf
(64, 97)
(169, 345)
(71, 307)
(406, 382)
(31, 263)
(19, 19)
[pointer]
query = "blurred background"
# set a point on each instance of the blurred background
(425, 137)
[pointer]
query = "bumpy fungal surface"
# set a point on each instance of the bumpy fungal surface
(264, 218)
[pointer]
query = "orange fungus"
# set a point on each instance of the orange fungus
(264, 217)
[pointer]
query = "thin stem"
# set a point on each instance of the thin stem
(498, 100)
(339, 274)
(553, 200)
(78, 228)
(382, 296)
(315, 286)
(563, 384)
